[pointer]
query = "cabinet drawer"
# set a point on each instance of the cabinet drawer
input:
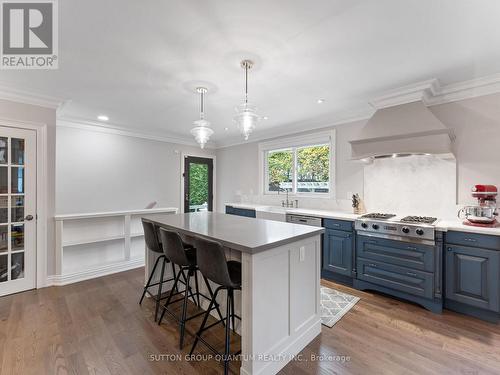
(473, 239)
(338, 224)
(415, 256)
(406, 280)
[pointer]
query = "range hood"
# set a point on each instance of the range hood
(405, 129)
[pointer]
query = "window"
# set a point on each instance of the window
(313, 169)
(299, 166)
(280, 170)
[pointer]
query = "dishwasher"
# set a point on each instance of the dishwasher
(303, 219)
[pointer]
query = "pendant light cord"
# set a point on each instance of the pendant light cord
(246, 83)
(202, 111)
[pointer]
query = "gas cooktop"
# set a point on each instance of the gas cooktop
(378, 216)
(418, 219)
(409, 228)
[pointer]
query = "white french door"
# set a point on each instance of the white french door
(17, 210)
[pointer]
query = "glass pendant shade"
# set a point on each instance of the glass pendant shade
(246, 114)
(246, 119)
(201, 130)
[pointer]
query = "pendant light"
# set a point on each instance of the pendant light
(246, 116)
(202, 131)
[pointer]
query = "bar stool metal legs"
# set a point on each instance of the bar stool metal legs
(188, 293)
(163, 259)
(230, 316)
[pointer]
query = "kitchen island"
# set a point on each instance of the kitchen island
(280, 297)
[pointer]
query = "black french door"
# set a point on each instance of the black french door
(198, 184)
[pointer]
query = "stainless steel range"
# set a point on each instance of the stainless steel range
(418, 229)
(400, 256)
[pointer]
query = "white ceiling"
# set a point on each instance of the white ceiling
(139, 61)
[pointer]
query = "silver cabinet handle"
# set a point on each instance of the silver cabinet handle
(470, 239)
(411, 248)
(372, 265)
(411, 274)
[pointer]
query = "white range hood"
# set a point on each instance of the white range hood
(404, 129)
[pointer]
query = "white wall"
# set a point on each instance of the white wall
(238, 173)
(39, 115)
(98, 171)
(476, 123)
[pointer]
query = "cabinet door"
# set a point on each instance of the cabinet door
(472, 276)
(337, 252)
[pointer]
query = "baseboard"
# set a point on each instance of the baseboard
(435, 305)
(342, 279)
(490, 316)
(59, 280)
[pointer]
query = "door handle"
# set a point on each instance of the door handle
(28, 218)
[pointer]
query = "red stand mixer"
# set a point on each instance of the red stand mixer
(485, 213)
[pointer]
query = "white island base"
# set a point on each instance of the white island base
(280, 296)
(280, 305)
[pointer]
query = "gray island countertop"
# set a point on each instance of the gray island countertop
(239, 233)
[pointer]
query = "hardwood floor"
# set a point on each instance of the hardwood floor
(97, 327)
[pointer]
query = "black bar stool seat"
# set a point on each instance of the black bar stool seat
(214, 266)
(186, 259)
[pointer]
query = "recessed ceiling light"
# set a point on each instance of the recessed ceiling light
(103, 118)
(321, 101)
(226, 129)
(265, 118)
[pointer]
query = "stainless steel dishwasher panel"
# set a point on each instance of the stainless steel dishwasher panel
(303, 219)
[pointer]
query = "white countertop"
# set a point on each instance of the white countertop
(442, 225)
(446, 225)
(239, 233)
(341, 215)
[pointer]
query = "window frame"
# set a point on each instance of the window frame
(294, 143)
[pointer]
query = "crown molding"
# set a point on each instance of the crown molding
(406, 94)
(29, 97)
(298, 128)
(431, 92)
(82, 124)
(466, 90)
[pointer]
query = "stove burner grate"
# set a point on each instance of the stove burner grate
(418, 219)
(377, 215)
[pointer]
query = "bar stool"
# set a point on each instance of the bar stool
(186, 260)
(214, 266)
(153, 244)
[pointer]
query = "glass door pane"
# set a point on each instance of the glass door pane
(198, 184)
(198, 187)
(12, 186)
(17, 200)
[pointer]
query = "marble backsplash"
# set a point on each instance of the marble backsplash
(413, 185)
(416, 185)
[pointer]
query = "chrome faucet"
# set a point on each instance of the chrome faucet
(287, 203)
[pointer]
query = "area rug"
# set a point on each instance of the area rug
(334, 305)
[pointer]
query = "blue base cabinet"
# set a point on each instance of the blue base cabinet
(472, 274)
(240, 211)
(338, 251)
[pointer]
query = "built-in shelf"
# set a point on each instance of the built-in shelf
(110, 234)
(93, 240)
